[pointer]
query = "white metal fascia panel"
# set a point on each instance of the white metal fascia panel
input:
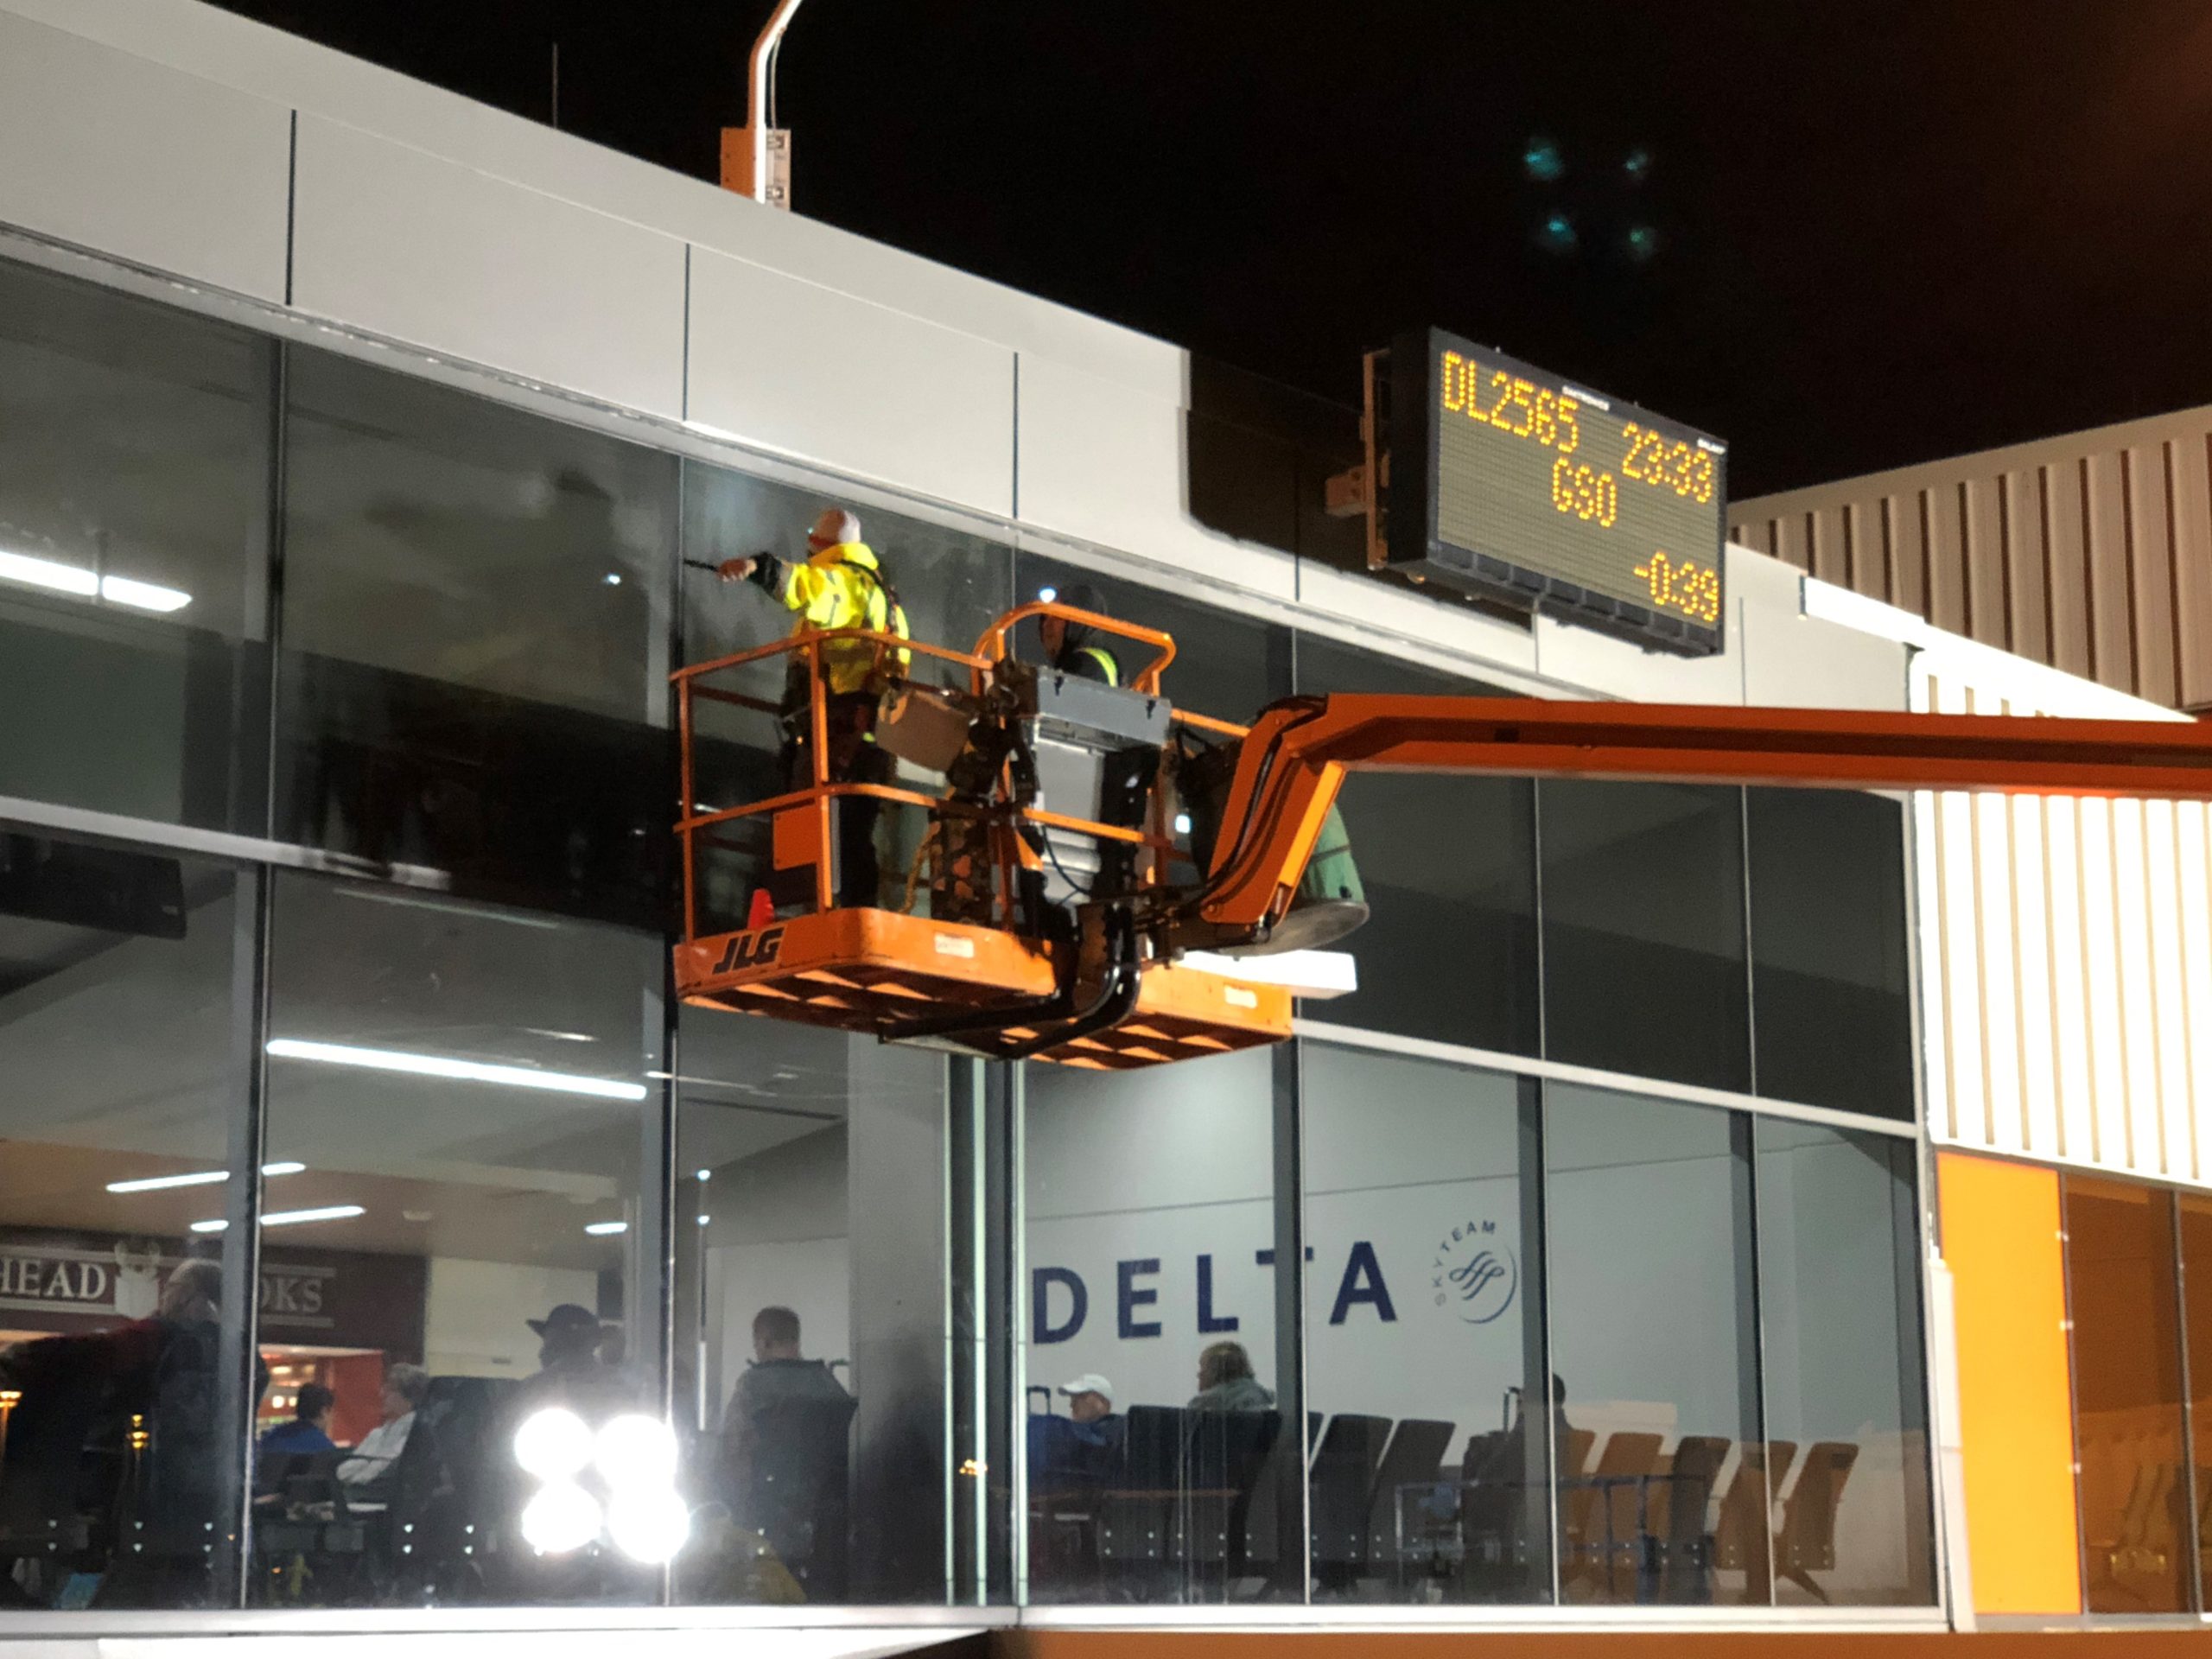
(423, 250)
(2193, 908)
(142, 162)
(1105, 463)
(818, 374)
(2073, 1074)
(2036, 1075)
(2162, 906)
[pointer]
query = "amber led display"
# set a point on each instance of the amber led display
(1517, 485)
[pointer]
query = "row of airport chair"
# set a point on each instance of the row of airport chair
(1194, 1504)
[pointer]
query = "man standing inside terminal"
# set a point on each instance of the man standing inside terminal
(842, 585)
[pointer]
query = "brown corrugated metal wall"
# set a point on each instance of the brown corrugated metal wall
(2092, 553)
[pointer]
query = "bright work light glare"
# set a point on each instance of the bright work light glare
(554, 1444)
(637, 1452)
(1048, 595)
(647, 1526)
(562, 1517)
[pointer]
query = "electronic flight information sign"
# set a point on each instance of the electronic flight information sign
(1513, 484)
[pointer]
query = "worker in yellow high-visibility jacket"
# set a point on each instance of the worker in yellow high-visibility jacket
(842, 585)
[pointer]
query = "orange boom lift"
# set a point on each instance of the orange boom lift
(1081, 840)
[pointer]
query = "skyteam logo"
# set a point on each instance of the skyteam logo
(1475, 1273)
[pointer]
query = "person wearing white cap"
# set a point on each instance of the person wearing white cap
(1079, 1452)
(842, 585)
(1089, 1397)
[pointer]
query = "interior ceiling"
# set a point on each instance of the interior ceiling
(119, 1066)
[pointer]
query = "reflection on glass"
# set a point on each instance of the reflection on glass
(1449, 866)
(811, 1398)
(2197, 1278)
(2121, 1271)
(132, 483)
(1643, 930)
(1157, 1460)
(1654, 1350)
(1831, 970)
(1424, 1334)
(114, 1456)
(475, 627)
(1847, 1426)
(467, 1250)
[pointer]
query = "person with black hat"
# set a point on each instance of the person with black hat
(571, 1372)
(1071, 647)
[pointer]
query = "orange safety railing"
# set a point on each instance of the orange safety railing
(690, 684)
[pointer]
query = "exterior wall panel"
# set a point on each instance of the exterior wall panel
(821, 375)
(2090, 552)
(423, 250)
(139, 161)
(2066, 950)
(1106, 463)
(2016, 1399)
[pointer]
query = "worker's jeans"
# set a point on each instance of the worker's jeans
(853, 759)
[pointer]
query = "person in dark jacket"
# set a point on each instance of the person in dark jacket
(1074, 648)
(309, 1430)
(1079, 1452)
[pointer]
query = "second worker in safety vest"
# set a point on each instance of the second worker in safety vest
(1071, 647)
(842, 585)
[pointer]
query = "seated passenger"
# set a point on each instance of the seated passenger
(1226, 1382)
(572, 1369)
(309, 1430)
(1081, 1451)
(367, 1475)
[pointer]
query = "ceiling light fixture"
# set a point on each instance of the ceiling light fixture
(606, 1228)
(439, 1065)
(143, 595)
(289, 1217)
(75, 580)
(197, 1177)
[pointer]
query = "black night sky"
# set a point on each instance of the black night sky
(1874, 232)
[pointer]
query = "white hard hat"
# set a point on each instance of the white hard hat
(1088, 1383)
(836, 526)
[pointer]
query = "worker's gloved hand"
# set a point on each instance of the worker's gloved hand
(734, 569)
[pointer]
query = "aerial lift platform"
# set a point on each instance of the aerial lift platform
(1082, 842)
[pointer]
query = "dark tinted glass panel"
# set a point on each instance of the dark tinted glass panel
(2120, 1268)
(1225, 665)
(1424, 1313)
(115, 1002)
(133, 507)
(1448, 864)
(1643, 930)
(2196, 1268)
(810, 1373)
(1831, 971)
(951, 583)
(1846, 1383)
(1159, 1466)
(1654, 1351)
(475, 642)
(459, 1108)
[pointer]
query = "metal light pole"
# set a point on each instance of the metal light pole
(757, 156)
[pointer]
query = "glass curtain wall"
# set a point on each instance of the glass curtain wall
(495, 1164)
(120, 1317)
(135, 476)
(1158, 1465)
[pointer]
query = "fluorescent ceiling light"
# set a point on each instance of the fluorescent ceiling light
(45, 573)
(606, 1228)
(144, 596)
(289, 1217)
(439, 1065)
(197, 1177)
(75, 579)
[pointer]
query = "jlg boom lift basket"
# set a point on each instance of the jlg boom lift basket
(975, 948)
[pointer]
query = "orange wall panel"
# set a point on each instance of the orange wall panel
(2015, 1397)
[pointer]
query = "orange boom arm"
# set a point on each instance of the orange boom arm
(1298, 751)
